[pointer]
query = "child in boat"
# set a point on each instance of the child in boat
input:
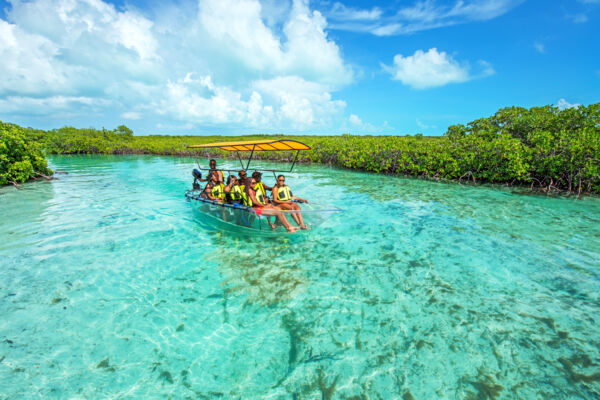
(282, 198)
(258, 202)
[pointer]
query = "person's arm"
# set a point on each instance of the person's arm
(208, 176)
(253, 198)
(227, 188)
(251, 193)
(208, 193)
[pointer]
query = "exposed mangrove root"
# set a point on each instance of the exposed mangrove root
(467, 174)
(48, 178)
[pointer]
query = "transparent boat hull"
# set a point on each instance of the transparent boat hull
(238, 218)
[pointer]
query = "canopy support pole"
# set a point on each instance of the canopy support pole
(250, 159)
(295, 159)
(240, 158)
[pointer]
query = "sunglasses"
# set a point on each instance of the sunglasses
(280, 180)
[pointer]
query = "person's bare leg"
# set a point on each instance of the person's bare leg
(280, 217)
(298, 217)
(288, 227)
(292, 207)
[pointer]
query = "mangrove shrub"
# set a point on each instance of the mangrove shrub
(21, 158)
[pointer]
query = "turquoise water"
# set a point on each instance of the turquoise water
(110, 287)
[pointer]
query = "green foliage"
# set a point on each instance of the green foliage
(20, 156)
(542, 146)
(124, 131)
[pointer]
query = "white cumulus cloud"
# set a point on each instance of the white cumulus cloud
(355, 120)
(201, 101)
(432, 68)
(207, 63)
(358, 126)
(563, 104)
(303, 49)
(27, 62)
(299, 102)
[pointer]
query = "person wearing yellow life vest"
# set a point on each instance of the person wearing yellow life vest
(259, 203)
(215, 190)
(234, 192)
(282, 198)
(257, 176)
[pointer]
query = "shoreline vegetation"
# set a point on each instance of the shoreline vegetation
(545, 148)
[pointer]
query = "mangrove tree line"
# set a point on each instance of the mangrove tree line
(542, 147)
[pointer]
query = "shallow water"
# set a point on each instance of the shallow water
(110, 287)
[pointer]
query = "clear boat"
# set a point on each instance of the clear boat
(239, 218)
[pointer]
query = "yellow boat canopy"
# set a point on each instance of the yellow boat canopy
(255, 145)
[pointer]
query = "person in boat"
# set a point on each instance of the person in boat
(257, 176)
(234, 192)
(257, 201)
(242, 180)
(284, 199)
(214, 171)
(215, 189)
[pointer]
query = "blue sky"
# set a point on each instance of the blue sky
(297, 66)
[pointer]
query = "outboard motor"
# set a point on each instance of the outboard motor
(197, 176)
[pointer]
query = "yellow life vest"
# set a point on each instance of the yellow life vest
(218, 191)
(260, 198)
(242, 188)
(260, 186)
(235, 193)
(284, 193)
(246, 200)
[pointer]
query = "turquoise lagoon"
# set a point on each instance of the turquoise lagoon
(112, 287)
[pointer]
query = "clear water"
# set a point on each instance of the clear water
(111, 288)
